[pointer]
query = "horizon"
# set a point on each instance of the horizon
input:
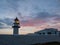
(23, 30)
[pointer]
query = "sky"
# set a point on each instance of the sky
(33, 14)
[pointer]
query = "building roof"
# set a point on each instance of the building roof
(48, 30)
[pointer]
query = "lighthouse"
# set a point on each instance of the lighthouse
(16, 26)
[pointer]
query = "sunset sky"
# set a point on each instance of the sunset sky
(34, 15)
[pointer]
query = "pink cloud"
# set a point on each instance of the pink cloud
(33, 22)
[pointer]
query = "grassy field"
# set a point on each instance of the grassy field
(28, 40)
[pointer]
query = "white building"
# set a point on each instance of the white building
(48, 31)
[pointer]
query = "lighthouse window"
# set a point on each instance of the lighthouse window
(49, 32)
(55, 32)
(43, 33)
(39, 33)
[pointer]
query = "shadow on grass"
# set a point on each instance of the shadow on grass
(49, 43)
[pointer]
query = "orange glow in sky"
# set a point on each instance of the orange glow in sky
(22, 30)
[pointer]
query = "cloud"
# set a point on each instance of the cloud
(27, 7)
(43, 15)
(30, 12)
(6, 23)
(13, 4)
(46, 16)
(3, 25)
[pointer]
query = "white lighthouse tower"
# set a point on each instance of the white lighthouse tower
(16, 26)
